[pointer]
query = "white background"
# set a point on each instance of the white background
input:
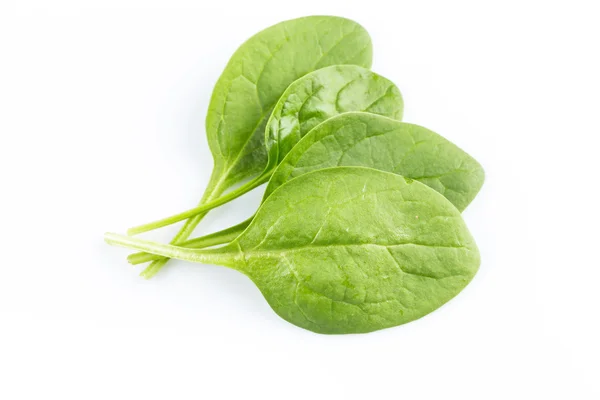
(102, 107)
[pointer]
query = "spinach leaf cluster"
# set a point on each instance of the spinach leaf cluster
(359, 228)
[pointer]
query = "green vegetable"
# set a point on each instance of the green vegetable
(255, 77)
(347, 250)
(368, 140)
(306, 103)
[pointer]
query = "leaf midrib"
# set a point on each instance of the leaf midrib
(252, 252)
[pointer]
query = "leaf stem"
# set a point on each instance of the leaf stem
(216, 256)
(216, 186)
(220, 237)
(202, 208)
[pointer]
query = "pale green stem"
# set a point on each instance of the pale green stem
(224, 257)
(214, 189)
(203, 208)
(221, 237)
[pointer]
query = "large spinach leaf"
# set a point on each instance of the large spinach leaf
(347, 250)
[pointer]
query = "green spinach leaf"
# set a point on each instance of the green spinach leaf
(347, 250)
